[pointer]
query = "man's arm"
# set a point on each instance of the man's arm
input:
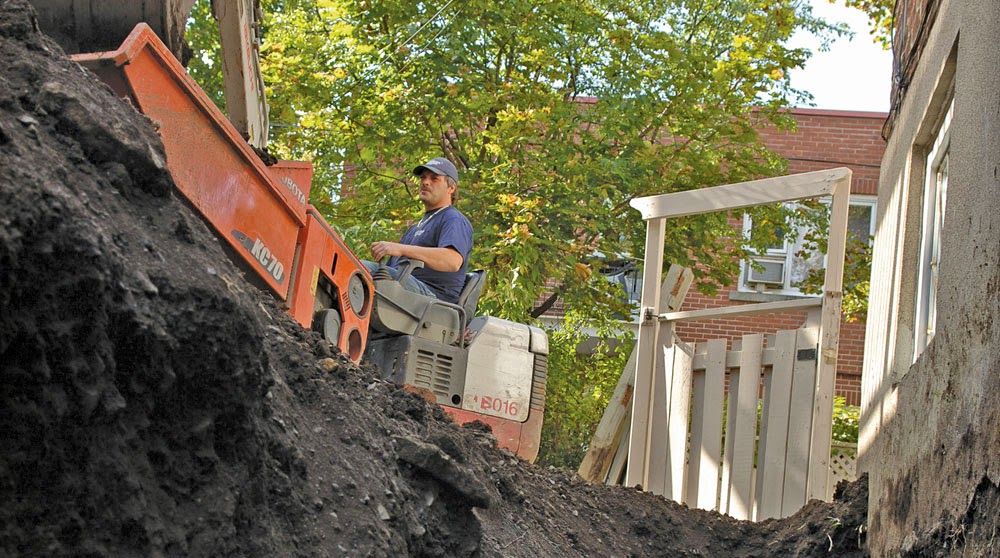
(438, 259)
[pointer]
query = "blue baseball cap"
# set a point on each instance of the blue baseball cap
(438, 165)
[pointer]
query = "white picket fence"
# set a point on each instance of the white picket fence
(748, 452)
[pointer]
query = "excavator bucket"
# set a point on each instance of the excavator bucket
(98, 25)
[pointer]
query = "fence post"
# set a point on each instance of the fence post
(637, 469)
(826, 369)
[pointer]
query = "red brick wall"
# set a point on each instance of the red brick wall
(824, 139)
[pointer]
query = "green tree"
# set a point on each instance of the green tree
(205, 64)
(857, 276)
(578, 389)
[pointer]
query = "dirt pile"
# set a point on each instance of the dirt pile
(152, 403)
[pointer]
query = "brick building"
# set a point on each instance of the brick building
(824, 139)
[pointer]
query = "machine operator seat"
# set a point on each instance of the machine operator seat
(469, 299)
(401, 312)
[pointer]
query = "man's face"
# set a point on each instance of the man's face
(434, 190)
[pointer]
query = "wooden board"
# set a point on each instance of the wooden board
(706, 428)
(745, 384)
(611, 428)
(774, 427)
(615, 421)
(793, 494)
(656, 447)
(742, 194)
(678, 415)
(744, 310)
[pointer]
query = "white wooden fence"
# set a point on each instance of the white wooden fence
(771, 420)
(747, 454)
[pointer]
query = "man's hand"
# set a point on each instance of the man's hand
(383, 249)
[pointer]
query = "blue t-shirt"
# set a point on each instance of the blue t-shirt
(442, 228)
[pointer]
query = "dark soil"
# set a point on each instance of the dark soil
(153, 403)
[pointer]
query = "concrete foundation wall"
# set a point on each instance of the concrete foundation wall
(931, 429)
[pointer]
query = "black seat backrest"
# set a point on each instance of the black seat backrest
(474, 281)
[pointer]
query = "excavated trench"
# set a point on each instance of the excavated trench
(153, 403)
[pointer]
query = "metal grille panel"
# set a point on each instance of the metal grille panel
(538, 383)
(433, 371)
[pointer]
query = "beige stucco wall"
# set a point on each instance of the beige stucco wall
(931, 430)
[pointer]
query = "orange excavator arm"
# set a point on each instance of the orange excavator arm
(101, 25)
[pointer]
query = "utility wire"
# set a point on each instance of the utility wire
(415, 33)
(431, 40)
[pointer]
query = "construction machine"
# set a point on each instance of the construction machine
(477, 368)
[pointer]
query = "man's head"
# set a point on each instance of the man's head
(438, 183)
(439, 165)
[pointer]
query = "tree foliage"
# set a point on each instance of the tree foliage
(557, 114)
(810, 219)
(579, 388)
(879, 14)
(857, 277)
(202, 35)
(846, 421)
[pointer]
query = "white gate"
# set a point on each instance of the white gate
(746, 454)
(669, 380)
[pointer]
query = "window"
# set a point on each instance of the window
(628, 274)
(785, 265)
(934, 202)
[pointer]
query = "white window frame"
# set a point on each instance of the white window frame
(787, 253)
(935, 203)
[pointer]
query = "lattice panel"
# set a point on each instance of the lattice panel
(843, 464)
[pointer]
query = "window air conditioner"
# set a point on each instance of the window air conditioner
(766, 272)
